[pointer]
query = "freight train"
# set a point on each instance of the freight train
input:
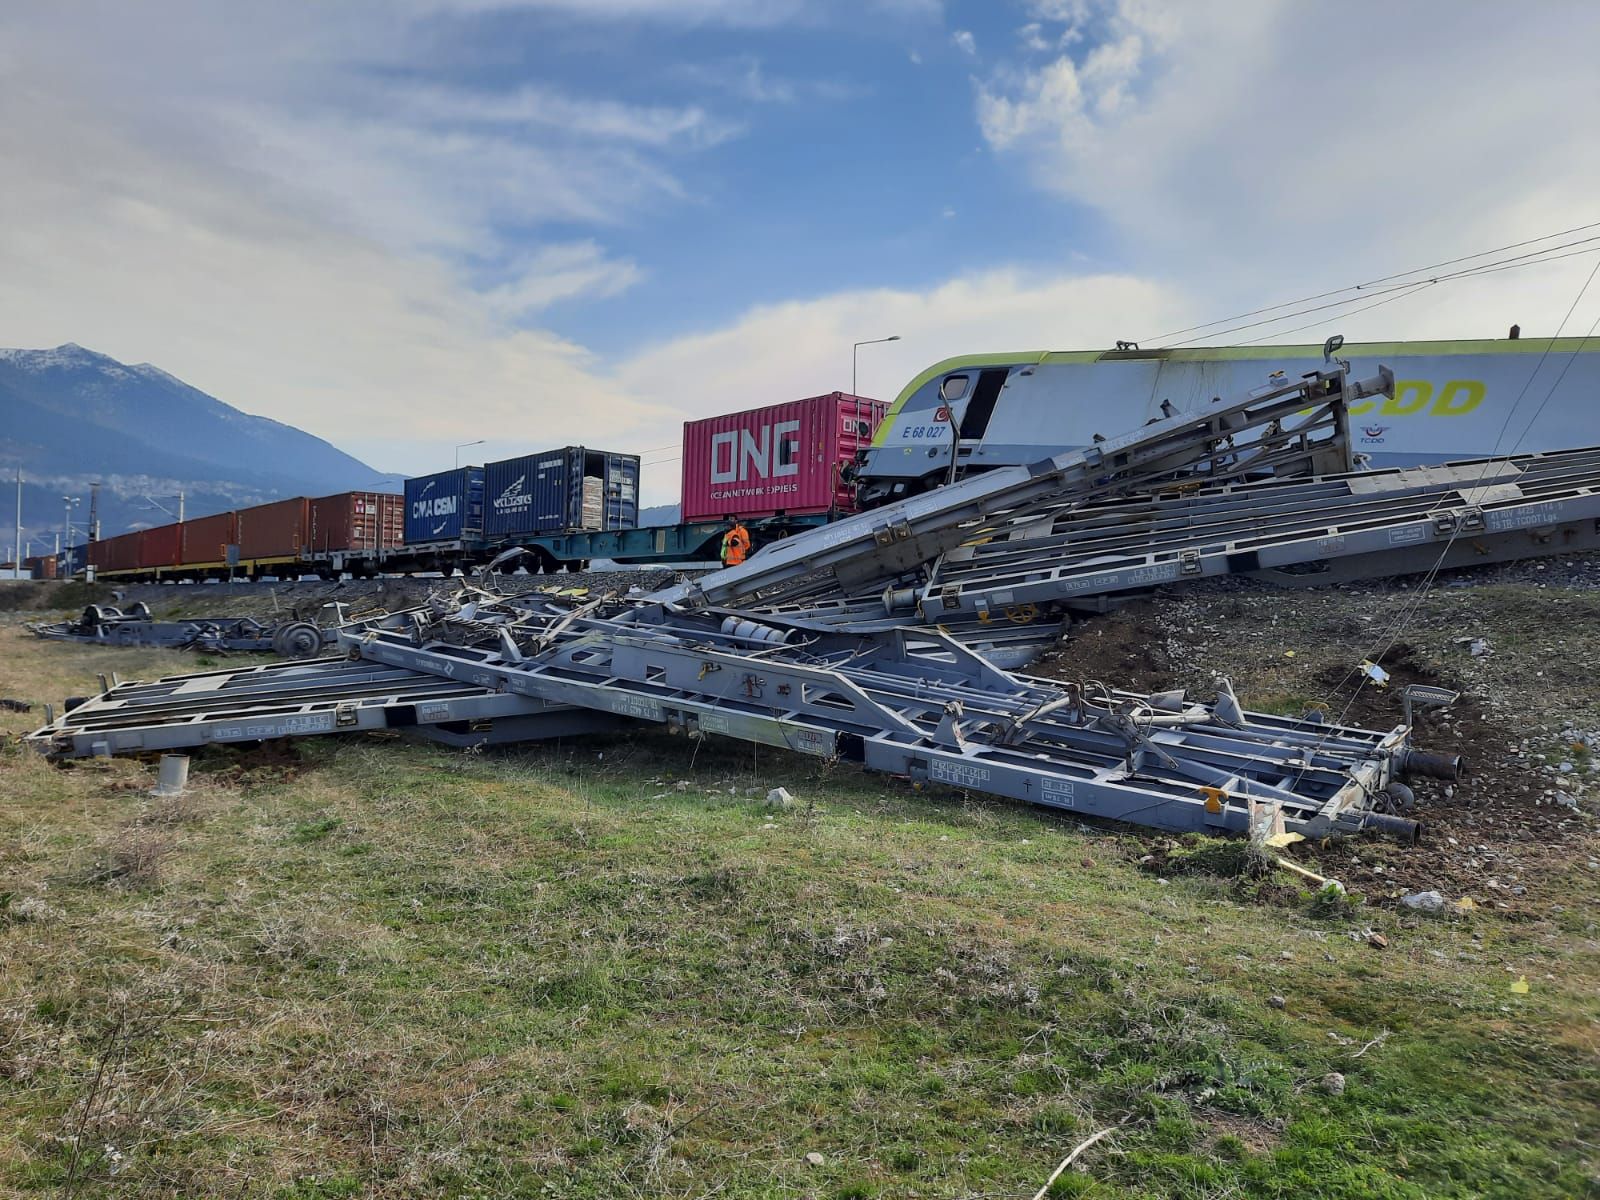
(780, 469)
(789, 466)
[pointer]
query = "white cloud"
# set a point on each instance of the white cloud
(963, 41)
(577, 117)
(747, 78)
(1237, 145)
(574, 270)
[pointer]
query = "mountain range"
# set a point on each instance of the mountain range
(72, 418)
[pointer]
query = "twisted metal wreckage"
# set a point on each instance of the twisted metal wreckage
(886, 638)
(104, 625)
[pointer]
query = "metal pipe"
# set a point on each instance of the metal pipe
(1430, 765)
(174, 776)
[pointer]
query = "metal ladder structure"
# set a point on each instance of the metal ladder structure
(292, 700)
(1291, 532)
(911, 703)
(917, 704)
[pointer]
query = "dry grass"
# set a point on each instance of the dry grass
(381, 969)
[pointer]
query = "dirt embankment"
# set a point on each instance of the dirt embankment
(1519, 645)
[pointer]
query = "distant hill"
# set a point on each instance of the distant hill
(72, 417)
(659, 514)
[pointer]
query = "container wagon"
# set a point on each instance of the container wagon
(353, 531)
(443, 515)
(272, 535)
(205, 543)
(160, 548)
(788, 459)
(560, 491)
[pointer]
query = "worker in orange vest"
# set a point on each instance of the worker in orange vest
(735, 544)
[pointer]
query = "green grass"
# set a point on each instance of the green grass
(396, 970)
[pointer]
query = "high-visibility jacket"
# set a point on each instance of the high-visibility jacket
(735, 545)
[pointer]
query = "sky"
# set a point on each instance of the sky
(407, 224)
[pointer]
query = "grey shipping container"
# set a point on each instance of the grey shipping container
(444, 507)
(560, 490)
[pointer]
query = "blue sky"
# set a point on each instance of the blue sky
(403, 224)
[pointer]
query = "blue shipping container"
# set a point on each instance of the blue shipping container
(560, 490)
(444, 507)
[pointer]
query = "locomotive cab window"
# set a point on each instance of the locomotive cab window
(953, 388)
(975, 417)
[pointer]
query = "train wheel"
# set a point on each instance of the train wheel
(298, 639)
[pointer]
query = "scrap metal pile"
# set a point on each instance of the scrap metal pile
(737, 654)
(101, 624)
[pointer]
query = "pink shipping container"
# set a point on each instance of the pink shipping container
(275, 530)
(161, 546)
(356, 521)
(206, 539)
(786, 458)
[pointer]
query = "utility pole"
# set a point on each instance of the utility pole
(180, 508)
(16, 562)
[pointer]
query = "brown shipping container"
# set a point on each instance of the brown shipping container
(206, 539)
(161, 546)
(275, 530)
(120, 553)
(356, 521)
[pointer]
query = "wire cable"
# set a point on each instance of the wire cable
(1532, 260)
(1450, 262)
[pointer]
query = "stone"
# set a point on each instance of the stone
(1333, 1083)
(1429, 901)
(779, 797)
(814, 1159)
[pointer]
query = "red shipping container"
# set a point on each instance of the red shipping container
(206, 539)
(356, 521)
(786, 458)
(275, 530)
(161, 546)
(120, 553)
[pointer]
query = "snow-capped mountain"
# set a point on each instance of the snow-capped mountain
(70, 417)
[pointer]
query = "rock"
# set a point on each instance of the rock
(1377, 940)
(1276, 1001)
(1333, 1083)
(1429, 901)
(1086, 862)
(779, 797)
(814, 1159)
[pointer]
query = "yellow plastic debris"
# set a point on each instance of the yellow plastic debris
(1520, 987)
(1288, 653)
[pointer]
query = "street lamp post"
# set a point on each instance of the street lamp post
(463, 446)
(71, 503)
(894, 337)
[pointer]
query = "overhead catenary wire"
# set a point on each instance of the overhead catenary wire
(1533, 259)
(1450, 262)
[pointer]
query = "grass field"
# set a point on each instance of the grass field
(380, 968)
